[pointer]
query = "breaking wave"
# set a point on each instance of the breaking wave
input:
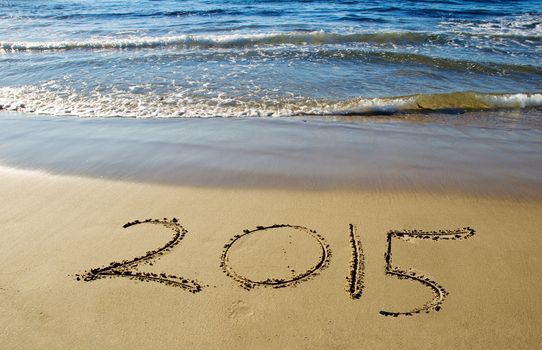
(150, 105)
(224, 40)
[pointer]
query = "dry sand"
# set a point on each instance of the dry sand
(55, 228)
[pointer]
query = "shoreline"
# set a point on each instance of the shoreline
(314, 155)
(307, 175)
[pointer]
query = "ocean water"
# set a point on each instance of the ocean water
(211, 58)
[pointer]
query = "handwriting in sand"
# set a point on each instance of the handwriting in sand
(355, 279)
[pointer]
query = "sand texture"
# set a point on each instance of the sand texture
(92, 263)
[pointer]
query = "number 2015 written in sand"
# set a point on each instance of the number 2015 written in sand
(355, 278)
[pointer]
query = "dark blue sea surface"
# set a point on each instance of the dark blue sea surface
(207, 58)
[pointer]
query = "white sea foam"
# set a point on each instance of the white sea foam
(514, 100)
(525, 25)
(220, 40)
(45, 100)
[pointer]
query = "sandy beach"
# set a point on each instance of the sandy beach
(281, 266)
(281, 175)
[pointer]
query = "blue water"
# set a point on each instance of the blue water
(203, 58)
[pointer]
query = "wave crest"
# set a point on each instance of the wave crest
(43, 101)
(225, 40)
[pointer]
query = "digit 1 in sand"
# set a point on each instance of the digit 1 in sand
(355, 280)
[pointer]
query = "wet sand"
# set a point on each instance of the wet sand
(277, 266)
(467, 154)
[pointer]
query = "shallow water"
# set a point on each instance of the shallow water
(208, 58)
